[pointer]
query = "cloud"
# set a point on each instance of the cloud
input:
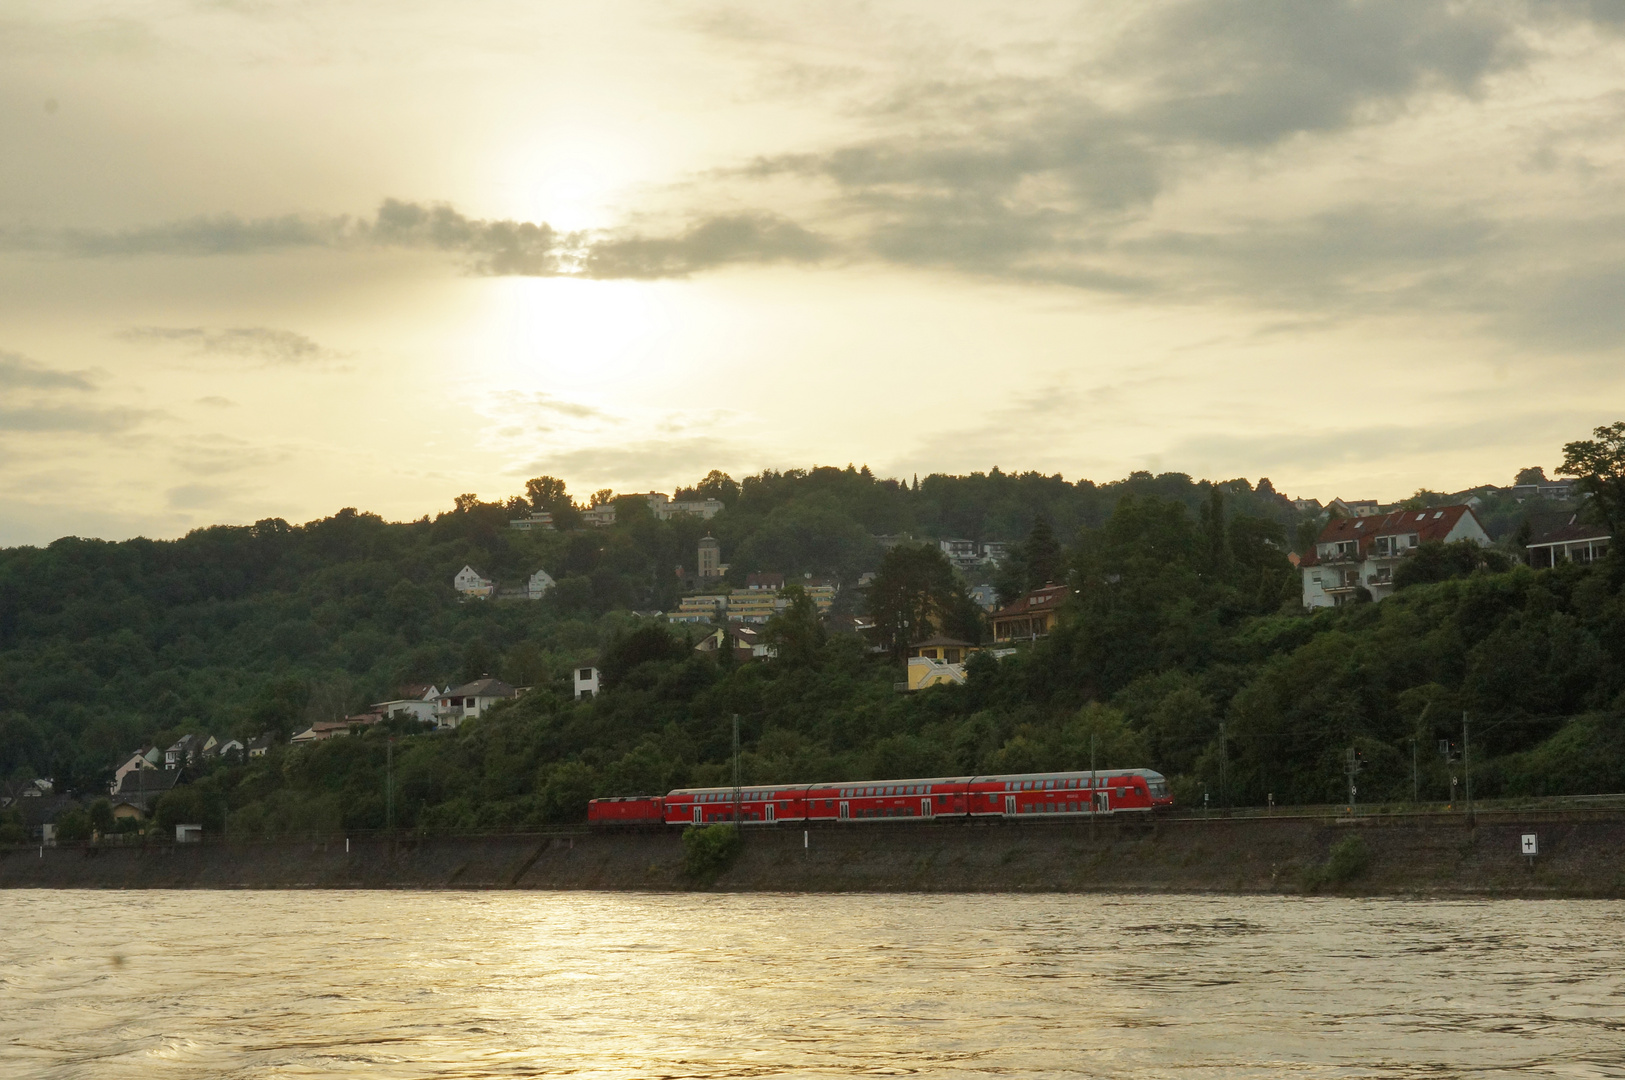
(212, 455)
(17, 372)
(215, 401)
(719, 241)
(261, 343)
(197, 496)
(68, 418)
(521, 404)
(497, 248)
(657, 462)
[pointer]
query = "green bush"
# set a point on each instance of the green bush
(1349, 859)
(709, 850)
(74, 827)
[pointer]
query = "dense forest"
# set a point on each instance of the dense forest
(1183, 648)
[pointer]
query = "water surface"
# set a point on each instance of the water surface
(444, 984)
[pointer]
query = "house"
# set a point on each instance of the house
(766, 582)
(699, 609)
(938, 661)
(470, 582)
(1357, 553)
(539, 583)
(187, 749)
(985, 596)
(137, 760)
(665, 508)
(753, 605)
(586, 680)
(227, 748)
(535, 520)
(995, 551)
(1556, 490)
(821, 593)
(964, 554)
(138, 790)
(261, 746)
(321, 731)
(472, 699)
(420, 701)
(1031, 616)
(746, 642)
(1571, 540)
(1357, 507)
(599, 516)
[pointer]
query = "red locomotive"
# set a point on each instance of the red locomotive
(1017, 797)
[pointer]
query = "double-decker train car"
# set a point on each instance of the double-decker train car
(1058, 794)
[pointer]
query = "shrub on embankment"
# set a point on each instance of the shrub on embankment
(710, 850)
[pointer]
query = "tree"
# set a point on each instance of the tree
(1046, 562)
(796, 634)
(718, 485)
(548, 493)
(914, 595)
(1532, 475)
(101, 816)
(1598, 464)
(73, 827)
(602, 497)
(1437, 561)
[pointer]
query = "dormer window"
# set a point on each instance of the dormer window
(1438, 514)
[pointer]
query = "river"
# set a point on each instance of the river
(393, 984)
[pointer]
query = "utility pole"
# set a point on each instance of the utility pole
(1224, 758)
(1092, 804)
(1416, 783)
(1467, 763)
(736, 770)
(389, 784)
(1352, 767)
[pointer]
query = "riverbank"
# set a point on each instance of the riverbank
(1580, 856)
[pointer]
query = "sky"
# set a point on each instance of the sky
(265, 259)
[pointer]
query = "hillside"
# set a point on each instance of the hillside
(1183, 650)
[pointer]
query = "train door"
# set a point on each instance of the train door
(1103, 802)
(1010, 805)
(846, 809)
(925, 807)
(770, 807)
(697, 812)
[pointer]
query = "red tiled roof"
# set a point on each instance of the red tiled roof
(1045, 599)
(1429, 523)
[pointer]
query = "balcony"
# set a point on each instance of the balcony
(1351, 554)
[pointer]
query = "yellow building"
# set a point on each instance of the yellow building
(752, 605)
(937, 662)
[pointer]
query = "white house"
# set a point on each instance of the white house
(1363, 552)
(418, 702)
(586, 682)
(459, 703)
(536, 519)
(470, 582)
(539, 583)
(1572, 541)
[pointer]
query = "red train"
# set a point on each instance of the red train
(1047, 795)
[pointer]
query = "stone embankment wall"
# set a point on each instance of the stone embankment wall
(1579, 856)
